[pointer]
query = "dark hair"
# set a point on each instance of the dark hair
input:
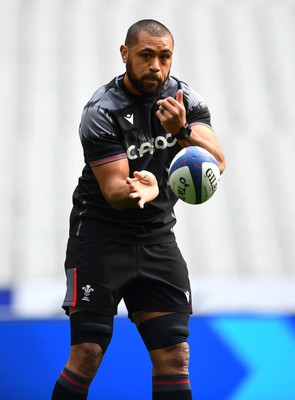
(151, 26)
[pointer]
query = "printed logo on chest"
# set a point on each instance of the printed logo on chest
(160, 142)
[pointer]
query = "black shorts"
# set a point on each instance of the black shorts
(148, 277)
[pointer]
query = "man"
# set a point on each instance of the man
(121, 241)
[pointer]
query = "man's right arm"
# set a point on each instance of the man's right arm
(121, 191)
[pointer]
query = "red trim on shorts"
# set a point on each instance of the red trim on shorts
(74, 299)
(74, 382)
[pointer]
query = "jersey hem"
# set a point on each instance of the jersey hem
(134, 241)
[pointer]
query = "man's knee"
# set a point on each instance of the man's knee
(166, 339)
(177, 356)
(171, 360)
(90, 336)
(85, 359)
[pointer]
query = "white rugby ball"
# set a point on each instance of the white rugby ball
(194, 175)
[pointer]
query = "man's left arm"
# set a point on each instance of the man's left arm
(172, 115)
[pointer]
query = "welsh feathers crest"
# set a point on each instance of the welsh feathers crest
(87, 291)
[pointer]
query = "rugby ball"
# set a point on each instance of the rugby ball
(194, 175)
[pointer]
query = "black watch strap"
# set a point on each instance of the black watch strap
(184, 133)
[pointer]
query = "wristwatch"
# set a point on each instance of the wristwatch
(184, 133)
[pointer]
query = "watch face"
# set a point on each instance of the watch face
(184, 133)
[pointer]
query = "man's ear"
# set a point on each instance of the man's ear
(124, 52)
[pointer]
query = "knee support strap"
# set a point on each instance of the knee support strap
(164, 331)
(89, 327)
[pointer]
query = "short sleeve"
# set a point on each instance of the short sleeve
(196, 109)
(100, 141)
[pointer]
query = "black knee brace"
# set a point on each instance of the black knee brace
(89, 327)
(164, 331)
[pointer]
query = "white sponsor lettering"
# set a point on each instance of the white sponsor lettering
(160, 142)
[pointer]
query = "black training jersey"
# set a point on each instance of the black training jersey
(115, 125)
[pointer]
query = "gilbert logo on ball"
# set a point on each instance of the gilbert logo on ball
(194, 175)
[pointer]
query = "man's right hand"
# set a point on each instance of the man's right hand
(143, 186)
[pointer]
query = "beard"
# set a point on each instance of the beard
(148, 84)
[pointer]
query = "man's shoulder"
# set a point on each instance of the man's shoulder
(190, 95)
(172, 85)
(108, 96)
